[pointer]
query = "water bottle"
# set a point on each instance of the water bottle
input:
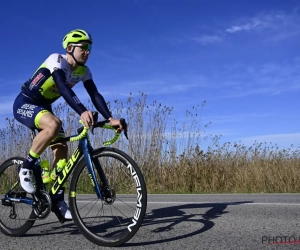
(61, 164)
(45, 165)
(59, 167)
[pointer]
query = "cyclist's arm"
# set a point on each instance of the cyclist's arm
(97, 98)
(66, 92)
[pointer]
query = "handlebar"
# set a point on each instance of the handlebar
(82, 131)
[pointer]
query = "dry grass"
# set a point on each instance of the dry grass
(170, 153)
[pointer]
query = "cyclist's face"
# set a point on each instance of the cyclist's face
(82, 52)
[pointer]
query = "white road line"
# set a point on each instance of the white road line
(229, 203)
(199, 203)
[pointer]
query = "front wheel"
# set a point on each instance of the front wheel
(114, 219)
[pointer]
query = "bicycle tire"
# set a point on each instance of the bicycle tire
(140, 197)
(15, 232)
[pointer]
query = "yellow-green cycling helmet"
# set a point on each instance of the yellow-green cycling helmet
(76, 36)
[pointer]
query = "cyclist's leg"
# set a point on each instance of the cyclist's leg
(38, 117)
(60, 151)
(49, 126)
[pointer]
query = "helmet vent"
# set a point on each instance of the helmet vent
(76, 35)
(80, 32)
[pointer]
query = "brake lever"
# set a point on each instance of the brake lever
(124, 125)
(92, 129)
(95, 118)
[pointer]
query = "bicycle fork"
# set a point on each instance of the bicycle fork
(93, 164)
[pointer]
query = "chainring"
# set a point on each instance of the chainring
(42, 205)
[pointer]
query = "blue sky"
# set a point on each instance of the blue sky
(242, 57)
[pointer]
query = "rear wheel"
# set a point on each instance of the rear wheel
(15, 218)
(114, 219)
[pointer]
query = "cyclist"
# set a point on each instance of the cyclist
(56, 77)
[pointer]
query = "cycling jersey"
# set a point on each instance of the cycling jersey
(54, 78)
(41, 86)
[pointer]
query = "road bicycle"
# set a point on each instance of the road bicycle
(107, 192)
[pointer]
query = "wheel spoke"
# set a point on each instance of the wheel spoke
(115, 219)
(16, 218)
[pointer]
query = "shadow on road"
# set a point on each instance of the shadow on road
(167, 218)
(161, 225)
(55, 228)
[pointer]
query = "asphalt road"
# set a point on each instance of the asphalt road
(246, 221)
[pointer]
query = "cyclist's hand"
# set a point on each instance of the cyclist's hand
(87, 118)
(116, 123)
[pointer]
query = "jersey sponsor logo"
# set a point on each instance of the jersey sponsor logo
(26, 110)
(36, 80)
(54, 89)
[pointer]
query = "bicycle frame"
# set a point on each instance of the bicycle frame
(84, 148)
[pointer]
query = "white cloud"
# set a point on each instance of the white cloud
(162, 84)
(282, 140)
(254, 91)
(248, 26)
(274, 25)
(230, 80)
(269, 78)
(234, 118)
(207, 39)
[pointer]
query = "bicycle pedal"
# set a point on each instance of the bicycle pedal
(6, 202)
(17, 194)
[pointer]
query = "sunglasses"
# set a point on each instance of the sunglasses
(84, 47)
